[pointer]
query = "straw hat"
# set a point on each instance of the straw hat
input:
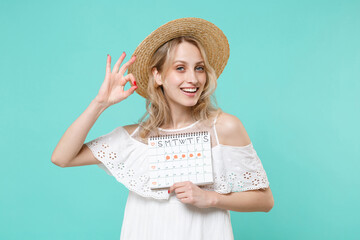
(210, 36)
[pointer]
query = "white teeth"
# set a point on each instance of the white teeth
(189, 89)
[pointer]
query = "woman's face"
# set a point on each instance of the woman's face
(185, 79)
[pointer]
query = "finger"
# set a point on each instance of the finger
(128, 78)
(108, 64)
(181, 195)
(132, 79)
(177, 185)
(130, 91)
(127, 65)
(118, 63)
(185, 200)
(171, 188)
(180, 190)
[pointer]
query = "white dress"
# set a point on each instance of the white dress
(155, 214)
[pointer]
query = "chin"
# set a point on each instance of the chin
(191, 104)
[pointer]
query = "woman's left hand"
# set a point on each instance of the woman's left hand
(190, 193)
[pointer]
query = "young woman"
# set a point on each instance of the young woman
(175, 69)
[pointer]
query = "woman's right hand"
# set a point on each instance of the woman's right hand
(112, 89)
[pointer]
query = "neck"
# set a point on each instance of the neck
(180, 117)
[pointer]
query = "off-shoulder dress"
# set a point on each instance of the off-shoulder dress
(155, 214)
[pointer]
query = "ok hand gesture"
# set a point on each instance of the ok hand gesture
(112, 90)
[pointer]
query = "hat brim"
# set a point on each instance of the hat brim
(208, 34)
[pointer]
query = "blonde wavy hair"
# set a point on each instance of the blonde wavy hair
(157, 106)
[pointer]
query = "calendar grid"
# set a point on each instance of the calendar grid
(180, 157)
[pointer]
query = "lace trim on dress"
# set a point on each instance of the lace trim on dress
(126, 161)
(235, 168)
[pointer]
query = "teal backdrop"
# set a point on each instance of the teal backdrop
(293, 79)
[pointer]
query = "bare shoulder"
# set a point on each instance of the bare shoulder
(130, 128)
(231, 131)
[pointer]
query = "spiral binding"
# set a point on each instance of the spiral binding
(178, 135)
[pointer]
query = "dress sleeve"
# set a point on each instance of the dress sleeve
(126, 160)
(107, 149)
(237, 169)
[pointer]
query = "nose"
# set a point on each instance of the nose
(191, 77)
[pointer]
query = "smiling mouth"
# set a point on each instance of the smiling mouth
(190, 90)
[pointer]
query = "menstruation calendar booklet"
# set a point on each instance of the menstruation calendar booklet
(180, 157)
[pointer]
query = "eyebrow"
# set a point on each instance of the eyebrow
(186, 62)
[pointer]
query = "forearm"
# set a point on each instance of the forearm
(247, 201)
(74, 137)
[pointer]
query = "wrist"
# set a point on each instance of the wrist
(102, 101)
(97, 106)
(213, 198)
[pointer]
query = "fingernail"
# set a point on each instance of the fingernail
(135, 83)
(168, 191)
(108, 54)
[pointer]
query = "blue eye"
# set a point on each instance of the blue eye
(201, 68)
(180, 68)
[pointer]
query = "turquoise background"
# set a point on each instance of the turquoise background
(292, 79)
